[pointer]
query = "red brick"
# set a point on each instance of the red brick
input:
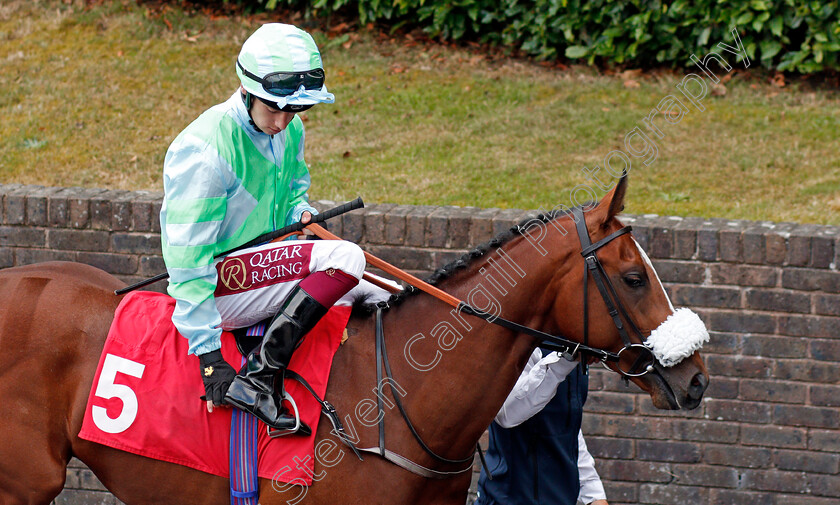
(353, 226)
(14, 205)
(30, 256)
(20, 236)
(702, 475)
(111, 263)
(737, 456)
(774, 480)
(811, 279)
(624, 426)
(505, 219)
(774, 436)
(773, 391)
(799, 499)
(610, 448)
(798, 248)
(675, 452)
(409, 259)
(807, 461)
(825, 485)
(825, 396)
(740, 497)
(686, 272)
(824, 440)
(705, 296)
(753, 243)
(722, 343)
(121, 212)
(807, 370)
(459, 227)
(723, 387)
(744, 275)
(706, 431)
(481, 226)
(734, 410)
(777, 300)
(731, 242)
(739, 366)
(375, 222)
(395, 224)
(813, 417)
(634, 471)
(775, 249)
(809, 326)
(708, 243)
(825, 350)
(775, 347)
(661, 243)
(822, 248)
(78, 240)
(828, 305)
(615, 403)
(37, 201)
(741, 322)
(621, 492)
(135, 243)
(672, 493)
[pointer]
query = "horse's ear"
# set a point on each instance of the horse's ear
(617, 199)
(612, 203)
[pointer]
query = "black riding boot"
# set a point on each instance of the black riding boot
(252, 390)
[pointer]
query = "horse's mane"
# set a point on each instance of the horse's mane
(361, 307)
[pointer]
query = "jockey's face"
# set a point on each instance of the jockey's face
(268, 119)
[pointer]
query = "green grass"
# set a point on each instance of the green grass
(93, 97)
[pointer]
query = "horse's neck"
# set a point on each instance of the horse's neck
(464, 367)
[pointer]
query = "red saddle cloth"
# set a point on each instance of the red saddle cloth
(145, 395)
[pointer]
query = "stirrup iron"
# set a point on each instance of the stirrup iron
(274, 432)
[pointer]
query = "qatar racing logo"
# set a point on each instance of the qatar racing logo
(233, 274)
(263, 268)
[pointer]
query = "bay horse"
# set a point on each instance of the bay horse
(453, 372)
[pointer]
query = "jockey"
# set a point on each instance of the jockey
(233, 174)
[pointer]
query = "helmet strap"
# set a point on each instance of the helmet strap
(248, 98)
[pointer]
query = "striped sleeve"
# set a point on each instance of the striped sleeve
(193, 211)
(299, 183)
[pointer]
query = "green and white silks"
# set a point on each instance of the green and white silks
(225, 183)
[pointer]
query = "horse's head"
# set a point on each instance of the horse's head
(620, 275)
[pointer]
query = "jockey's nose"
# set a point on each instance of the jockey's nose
(283, 119)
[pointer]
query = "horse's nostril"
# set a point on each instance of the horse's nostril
(698, 386)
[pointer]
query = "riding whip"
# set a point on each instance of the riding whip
(266, 237)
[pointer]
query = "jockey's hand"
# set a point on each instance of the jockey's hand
(305, 218)
(217, 375)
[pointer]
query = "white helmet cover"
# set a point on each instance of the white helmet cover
(277, 47)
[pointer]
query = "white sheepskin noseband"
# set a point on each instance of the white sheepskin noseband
(677, 337)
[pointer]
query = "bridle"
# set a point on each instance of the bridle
(643, 364)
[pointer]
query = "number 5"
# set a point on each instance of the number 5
(106, 388)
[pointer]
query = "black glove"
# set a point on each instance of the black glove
(217, 375)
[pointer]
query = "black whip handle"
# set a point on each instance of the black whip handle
(267, 237)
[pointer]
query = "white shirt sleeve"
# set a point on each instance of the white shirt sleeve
(591, 488)
(535, 388)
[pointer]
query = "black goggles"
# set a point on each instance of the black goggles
(287, 107)
(285, 83)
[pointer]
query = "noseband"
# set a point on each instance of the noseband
(644, 362)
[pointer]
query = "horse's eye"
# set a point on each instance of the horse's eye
(634, 280)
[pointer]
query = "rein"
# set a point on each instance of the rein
(567, 347)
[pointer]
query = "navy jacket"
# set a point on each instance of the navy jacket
(536, 462)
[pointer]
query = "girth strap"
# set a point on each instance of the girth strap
(401, 461)
(328, 410)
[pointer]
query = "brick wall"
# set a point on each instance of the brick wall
(768, 431)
